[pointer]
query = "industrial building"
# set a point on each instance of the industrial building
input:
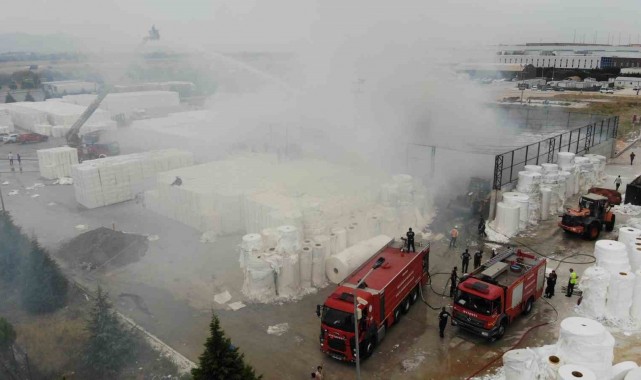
(627, 82)
(571, 56)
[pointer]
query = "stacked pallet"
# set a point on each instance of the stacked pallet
(57, 162)
(117, 179)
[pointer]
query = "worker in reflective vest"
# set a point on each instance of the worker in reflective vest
(571, 283)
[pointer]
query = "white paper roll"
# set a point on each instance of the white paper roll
(594, 284)
(634, 374)
(635, 310)
(318, 265)
(306, 267)
(339, 266)
(620, 370)
(259, 284)
(533, 168)
(249, 243)
(547, 168)
(620, 293)
(565, 159)
(288, 239)
(546, 195)
(520, 364)
(612, 255)
(353, 234)
(576, 372)
(341, 240)
(634, 254)
(585, 342)
(289, 276)
(507, 218)
(528, 182)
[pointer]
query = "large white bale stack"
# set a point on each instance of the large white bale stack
(5, 119)
(64, 114)
(585, 342)
(57, 162)
(339, 266)
(620, 292)
(594, 283)
(612, 255)
(117, 179)
(260, 278)
(26, 117)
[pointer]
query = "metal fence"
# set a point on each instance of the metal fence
(579, 140)
(542, 118)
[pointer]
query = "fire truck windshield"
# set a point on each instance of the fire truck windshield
(476, 303)
(338, 319)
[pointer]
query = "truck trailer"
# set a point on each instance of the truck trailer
(495, 294)
(384, 296)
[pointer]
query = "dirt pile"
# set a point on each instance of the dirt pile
(102, 246)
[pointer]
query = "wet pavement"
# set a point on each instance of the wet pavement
(170, 291)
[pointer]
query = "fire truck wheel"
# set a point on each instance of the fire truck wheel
(397, 314)
(414, 295)
(528, 306)
(369, 346)
(405, 306)
(500, 332)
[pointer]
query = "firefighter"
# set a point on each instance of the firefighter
(632, 155)
(481, 228)
(617, 182)
(442, 321)
(551, 282)
(571, 283)
(493, 253)
(453, 281)
(410, 240)
(478, 256)
(465, 258)
(453, 237)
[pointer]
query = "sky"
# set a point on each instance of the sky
(286, 24)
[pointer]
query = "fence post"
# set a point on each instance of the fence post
(538, 152)
(511, 166)
(568, 123)
(577, 142)
(527, 148)
(498, 171)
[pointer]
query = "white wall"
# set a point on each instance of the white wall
(564, 61)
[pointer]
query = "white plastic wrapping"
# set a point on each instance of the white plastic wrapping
(620, 294)
(635, 310)
(585, 342)
(594, 284)
(342, 264)
(520, 364)
(576, 372)
(620, 370)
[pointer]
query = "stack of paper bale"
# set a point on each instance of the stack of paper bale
(117, 179)
(5, 120)
(57, 162)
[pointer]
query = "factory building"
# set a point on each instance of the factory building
(627, 82)
(571, 56)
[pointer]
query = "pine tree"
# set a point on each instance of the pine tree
(110, 345)
(13, 245)
(9, 98)
(44, 288)
(29, 98)
(221, 360)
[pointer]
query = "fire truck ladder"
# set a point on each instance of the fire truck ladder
(499, 257)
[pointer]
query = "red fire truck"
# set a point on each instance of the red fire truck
(386, 294)
(501, 289)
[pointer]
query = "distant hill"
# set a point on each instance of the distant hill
(50, 43)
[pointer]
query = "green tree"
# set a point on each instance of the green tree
(221, 360)
(13, 246)
(29, 98)
(7, 335)
(44, 288)
(110, 345)
(9, 98)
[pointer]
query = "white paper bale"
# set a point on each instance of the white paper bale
(546, 196)
(576, 372)
(594, 284)
(340, 243)
(585, 342)
(520, 364)
(289, 276)
(339, 266)
(635, 311)
(620, 370)
(612, 255)
(620, 293)
(507, 218)
(288, 239)
(306, 265)
(533, 168)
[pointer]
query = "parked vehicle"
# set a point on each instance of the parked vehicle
(385, 295)
(28, 138)
(10, 138)
(93, 151)
(614, 197)
(588, 219)
(500, 290)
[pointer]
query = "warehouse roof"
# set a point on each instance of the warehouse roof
(491, 67)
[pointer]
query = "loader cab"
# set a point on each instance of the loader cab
(597, 204)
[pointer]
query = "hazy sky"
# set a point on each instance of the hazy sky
(282, 23)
